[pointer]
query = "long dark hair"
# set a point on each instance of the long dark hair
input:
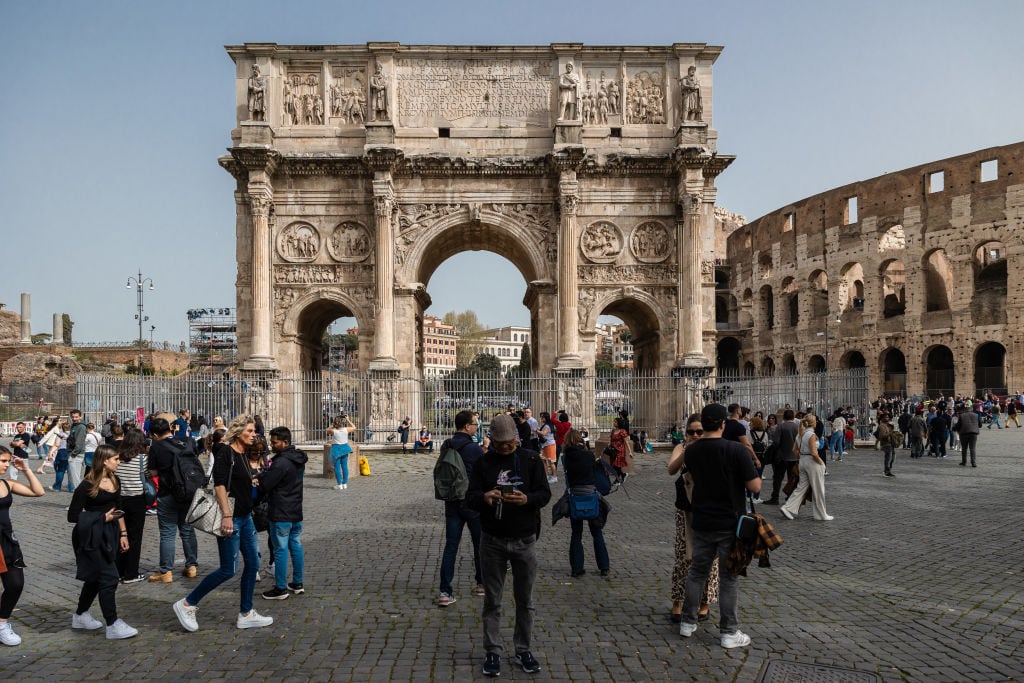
(98, 472)
(132, 445)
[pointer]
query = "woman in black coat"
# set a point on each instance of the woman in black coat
(579, 476)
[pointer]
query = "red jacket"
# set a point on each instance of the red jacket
(561, 429)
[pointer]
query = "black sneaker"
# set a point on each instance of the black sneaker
(527, 661)
(492, 664)
(275, 594)
(296, 588)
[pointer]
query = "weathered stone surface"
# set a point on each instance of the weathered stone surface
(10, 327)
(40, 368)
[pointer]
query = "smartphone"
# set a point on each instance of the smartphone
(507, 489)
(117, 514)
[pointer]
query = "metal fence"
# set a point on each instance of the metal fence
(377, 404)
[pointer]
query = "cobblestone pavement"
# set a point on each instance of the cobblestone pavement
(918, 578)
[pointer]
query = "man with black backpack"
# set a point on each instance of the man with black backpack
(180, 475)
(456, 515)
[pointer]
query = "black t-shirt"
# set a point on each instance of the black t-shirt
(236, 478)
(161, 458)
(720, 471)
(734, 429)
(579, 466)
(23, 439)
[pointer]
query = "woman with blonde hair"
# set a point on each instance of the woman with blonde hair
(99, 523)
(812, 473)
(232, 479)
(684, 532)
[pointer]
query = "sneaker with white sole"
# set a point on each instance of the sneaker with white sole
(479, 590)
(786, 513)
(120, 630)
(296, 588)
(7, 634)
(253, 620)
(735, 639)
(186, 615)
(687, 630)
(85, 621)
(445, 599)
(276, 593)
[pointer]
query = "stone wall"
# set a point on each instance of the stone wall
(928, 257)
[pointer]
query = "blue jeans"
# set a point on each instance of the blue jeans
(707, 545)
(286, 539)
(242, 537)
(836, 442)
(576, 546)
(455, 517)
(171, 520)
(341, 469)
(60, 467)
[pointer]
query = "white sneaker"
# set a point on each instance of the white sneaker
(186, 615)
(7, 634)
(786, 513)
(344, 487)
(253, 620)
(120, 630)
(340, 487)
(85, 621)
(735, 639)
(687, 630)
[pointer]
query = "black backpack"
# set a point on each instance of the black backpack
(187, 473)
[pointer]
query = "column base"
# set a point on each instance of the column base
(259, 363)
(569, 361)
(384, 364)
(693, 361)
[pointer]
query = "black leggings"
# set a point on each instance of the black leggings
(14, 582)
(107, 591)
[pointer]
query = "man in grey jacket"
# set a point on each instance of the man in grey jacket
(968, 429)
(76, 453)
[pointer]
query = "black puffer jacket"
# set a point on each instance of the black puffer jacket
(281, 483)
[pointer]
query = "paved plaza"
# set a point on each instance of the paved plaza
(918, 579)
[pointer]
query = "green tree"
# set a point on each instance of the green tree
(603, 367)
(470, 332)
(41, 338)
(67, 324)
(486, 364)
(525, 361)
(625, 336)
(351, 342)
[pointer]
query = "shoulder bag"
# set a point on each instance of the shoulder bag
(148, 487)
(583, 505)
(204, 514)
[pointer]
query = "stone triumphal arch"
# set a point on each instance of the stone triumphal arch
(361, 168)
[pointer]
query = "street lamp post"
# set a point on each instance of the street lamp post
(141, 317)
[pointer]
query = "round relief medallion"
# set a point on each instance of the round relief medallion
(601, 242)
(650, 242)
(349, 243)
(298, 243)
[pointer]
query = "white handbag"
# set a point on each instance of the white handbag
(204, 513)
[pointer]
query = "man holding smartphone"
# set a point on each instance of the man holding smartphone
(508, 487)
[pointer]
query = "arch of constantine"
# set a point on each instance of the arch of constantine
(361, 168)
(915, 275)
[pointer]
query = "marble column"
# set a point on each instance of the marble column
(568, 294)
(261, 357)
(58, 329)
(384, 276)
(26, 318)
(690, 249)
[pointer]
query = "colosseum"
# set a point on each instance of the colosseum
(906, 274)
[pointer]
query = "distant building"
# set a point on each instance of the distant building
(611, 347)
(506, 344)
(440, 343)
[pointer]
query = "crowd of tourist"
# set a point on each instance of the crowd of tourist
(122, 472)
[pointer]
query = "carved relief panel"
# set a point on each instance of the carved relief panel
(303, 97)
(645, 96)
(347, 95)
(601, 98)
(601, 242)
(349, 242)
(650, 242)
(298, 243)
(474, 93)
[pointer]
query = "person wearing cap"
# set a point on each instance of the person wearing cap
(722, 473)
(508, 487)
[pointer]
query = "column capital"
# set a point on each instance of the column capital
(260, 201)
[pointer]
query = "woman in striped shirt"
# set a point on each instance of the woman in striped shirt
(133, 451)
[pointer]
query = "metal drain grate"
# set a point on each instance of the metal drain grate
(778, 671)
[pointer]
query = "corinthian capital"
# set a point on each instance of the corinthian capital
(569, 203)
(382, 206)
(691, 202)
(260, 204)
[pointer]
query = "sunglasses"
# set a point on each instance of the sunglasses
(694, 432)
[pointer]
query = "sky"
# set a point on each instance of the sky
(114, 114)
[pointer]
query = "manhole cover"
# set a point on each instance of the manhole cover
(792, 672)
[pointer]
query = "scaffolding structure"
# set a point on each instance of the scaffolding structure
(212, 338)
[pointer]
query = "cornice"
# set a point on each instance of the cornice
(432, 166)
(343, 165)
(718, 163)
(256, 158)
(627, 165)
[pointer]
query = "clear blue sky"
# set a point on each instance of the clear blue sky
(114, 114)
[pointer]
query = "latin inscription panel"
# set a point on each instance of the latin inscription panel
(475, 93)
